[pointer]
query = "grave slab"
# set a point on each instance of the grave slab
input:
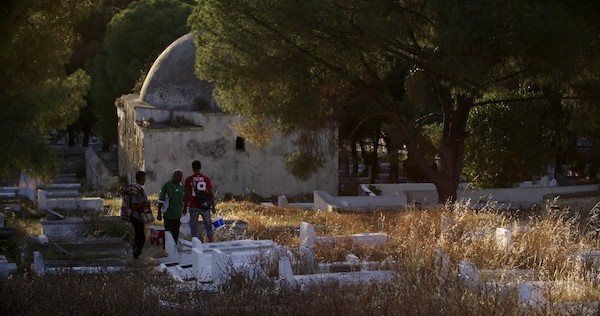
(7, 268)
(185, 271)
(468, 274)
(38, 265)
(224, 265)
(531, 295)
(282, 200)
(309, 238)
(588, 259)
(198, 256)
(69, 228)
(287, 278)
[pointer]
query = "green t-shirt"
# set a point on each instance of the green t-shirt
(171, 196)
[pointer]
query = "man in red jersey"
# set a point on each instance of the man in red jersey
(200, 199)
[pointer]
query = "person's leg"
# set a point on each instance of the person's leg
(194, 213)
(170, 226)
(207, 224)
(135, 237)
(175, 224)
(139, 236)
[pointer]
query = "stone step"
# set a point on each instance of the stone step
(61, 186)
(6, 233)
(65, 180)
(62, 193)
(9, 191)
(113, 262)
(67, 175)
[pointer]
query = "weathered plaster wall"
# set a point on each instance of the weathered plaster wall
(130, 138)
(259, 170)
(163, 140)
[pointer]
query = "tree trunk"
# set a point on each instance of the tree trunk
(446, 189)
(106, 144)
(86, 138)
(363, 154)
(375, 163)
(394, 168)
(71, 136)
(453, 139)
(354, 173)
(447, 176)
(393, 144)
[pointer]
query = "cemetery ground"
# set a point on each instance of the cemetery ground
(541, 248)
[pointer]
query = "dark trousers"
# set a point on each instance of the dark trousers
(172, 225)
(139, 236)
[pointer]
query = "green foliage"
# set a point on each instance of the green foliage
(505, 145)
(10, 249)
(135, 37)
(64, 98)
(36, 93)
(258, 131)
(433, 133)
(304, 64)
(302, 165)
(312, 147)
(235, 50)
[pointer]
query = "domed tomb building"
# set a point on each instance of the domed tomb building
(174, 121)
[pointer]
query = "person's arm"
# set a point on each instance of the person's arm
(159, 212)
(186, 185)
(160, 202)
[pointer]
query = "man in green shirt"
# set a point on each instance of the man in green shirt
(171, 198)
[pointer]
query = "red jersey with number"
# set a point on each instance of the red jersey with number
(195, 183)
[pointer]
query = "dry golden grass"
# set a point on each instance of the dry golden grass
(113, 206)
(545, 244)
(29, 226)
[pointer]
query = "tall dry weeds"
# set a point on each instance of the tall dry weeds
(544, 244)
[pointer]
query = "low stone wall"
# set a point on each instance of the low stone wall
(393, 196)
(323, 201)
(424, 193)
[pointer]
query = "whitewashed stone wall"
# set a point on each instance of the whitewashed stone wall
(153, 140)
